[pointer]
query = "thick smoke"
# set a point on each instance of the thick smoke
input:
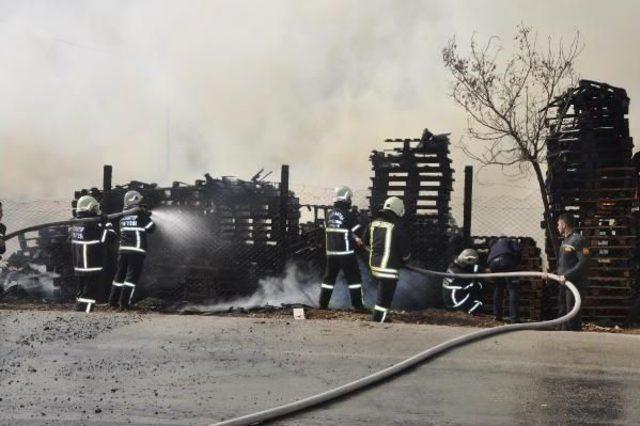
(299, 286)
(166, 90)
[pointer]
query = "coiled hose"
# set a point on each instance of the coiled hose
(378, 377)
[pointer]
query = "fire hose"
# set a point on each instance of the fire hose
(430, 353)
(101, 218)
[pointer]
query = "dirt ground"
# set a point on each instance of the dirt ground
(430, 316)
(106, 368)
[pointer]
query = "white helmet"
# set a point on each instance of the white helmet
(132, 199)
(467, 257)
(88, 204)
(395, 205)
(342, 193)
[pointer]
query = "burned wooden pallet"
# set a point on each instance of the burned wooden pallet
(227, 234)
(591, 175)
(418, 171)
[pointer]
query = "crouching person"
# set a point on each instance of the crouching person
(132, 251)
(88, 251)
(388, 250)
(463, 294)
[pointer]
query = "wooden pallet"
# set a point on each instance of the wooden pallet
(419, 171)
(591, 173)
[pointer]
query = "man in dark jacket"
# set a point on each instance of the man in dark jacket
(88, 251)
(341, 239)
(132, 251)
(504, 256)
(573, 265)
(463, 294)
(389, 249)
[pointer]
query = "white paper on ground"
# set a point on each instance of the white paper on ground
(298, 313)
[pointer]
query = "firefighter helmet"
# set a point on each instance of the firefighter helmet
(342, 193)
(467, 257)
(395, 205)
(88, 204)
(132, 199)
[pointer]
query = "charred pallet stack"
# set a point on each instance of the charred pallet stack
(418, 171)
(47, 251)
(218, 237)
(531, 290)
(591, 176)
(311, 246)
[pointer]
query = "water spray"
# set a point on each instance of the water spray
(430, 353)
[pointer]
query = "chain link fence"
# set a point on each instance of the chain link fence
(495, 216)
(491, 216)
(175, 268)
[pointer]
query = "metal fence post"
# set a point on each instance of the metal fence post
(284, 214)
(468, 192)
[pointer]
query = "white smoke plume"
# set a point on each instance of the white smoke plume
(414, 291)
(165, 90)
(296, 287)
(31, 281)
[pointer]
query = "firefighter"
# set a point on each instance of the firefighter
(132, 251)
(463, 294)
(573, 265)
(88, 251)
(341, 238)
(3, 232)
(388, 250)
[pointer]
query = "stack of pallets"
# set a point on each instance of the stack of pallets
(217, 238)
(592, 177)
(418, 171)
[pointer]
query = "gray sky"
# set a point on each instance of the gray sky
(242, 85)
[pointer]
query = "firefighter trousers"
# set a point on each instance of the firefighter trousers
(127, 277)
(386, 290)
(349, 266)
(87, 289)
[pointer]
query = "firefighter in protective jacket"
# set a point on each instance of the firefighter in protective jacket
(389, 248)
(88, 251)
(341, 238)
(134, 229)
(463, 294)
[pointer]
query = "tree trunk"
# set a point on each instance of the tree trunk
(551, 230)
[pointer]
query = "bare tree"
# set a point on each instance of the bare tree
(506, 100)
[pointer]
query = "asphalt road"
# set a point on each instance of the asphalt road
(104, 368)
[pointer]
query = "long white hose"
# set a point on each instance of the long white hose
(321, 398)
(75, 221)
